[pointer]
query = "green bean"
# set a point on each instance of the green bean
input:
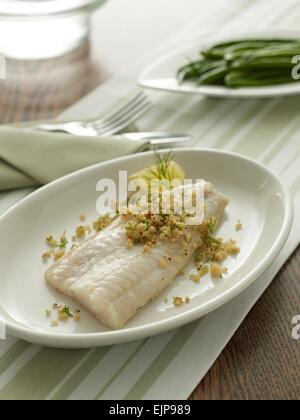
(240, 79)
(215, 76)
(262, 63)
(257, 41)
(289, 52)
(236, 51)
(190, 70)
(264, 74)
(196, 69)
(213, 54)
(247, 62)
(219, 50)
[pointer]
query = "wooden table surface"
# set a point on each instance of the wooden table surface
(262, 361)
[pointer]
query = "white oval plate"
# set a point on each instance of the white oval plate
(161, 75)
(257, 197)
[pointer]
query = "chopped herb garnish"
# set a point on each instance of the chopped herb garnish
(48, 313)
(66, 310)
(51, 241)
(161, 171)
(63, 241)
(212, 224)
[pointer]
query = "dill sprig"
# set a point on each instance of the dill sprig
(211, 224)
(162, 163)
(66, 310)
(207, 229)
(63, 241)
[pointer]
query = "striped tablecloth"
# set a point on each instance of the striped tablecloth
(169, 366)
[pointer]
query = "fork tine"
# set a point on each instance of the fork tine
(121, 126)
(126, 121)
(140, 96)
(122, 117)
(132, 107)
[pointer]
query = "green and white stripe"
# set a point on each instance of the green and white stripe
(170, 365)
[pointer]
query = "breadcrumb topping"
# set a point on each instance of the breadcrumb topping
(51, 242)
(63, 314)
(80, 232)
(57, 248)
(82, 217)
(77, 316)
(102, 222)
(58, 255)
(217, 270)
(163, 263)
(195, 277)
(210, 255)
(179, 301)
(238, 225)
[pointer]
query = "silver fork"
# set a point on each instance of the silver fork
(114, 123)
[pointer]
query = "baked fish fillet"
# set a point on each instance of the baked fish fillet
(112, 281)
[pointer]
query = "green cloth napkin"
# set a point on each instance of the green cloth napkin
(31, 158)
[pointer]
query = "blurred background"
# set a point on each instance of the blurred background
(56, 51)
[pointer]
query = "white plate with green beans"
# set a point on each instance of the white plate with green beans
(256, 65)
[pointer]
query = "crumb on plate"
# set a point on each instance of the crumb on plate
(195, 277)
(80, 232)
(179, 301)
(58, 255)
(163, 262)
(82, 217)
(77, 316)
(238, 225)
(217, 270)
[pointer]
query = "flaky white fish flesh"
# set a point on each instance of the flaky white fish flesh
(114, 282)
